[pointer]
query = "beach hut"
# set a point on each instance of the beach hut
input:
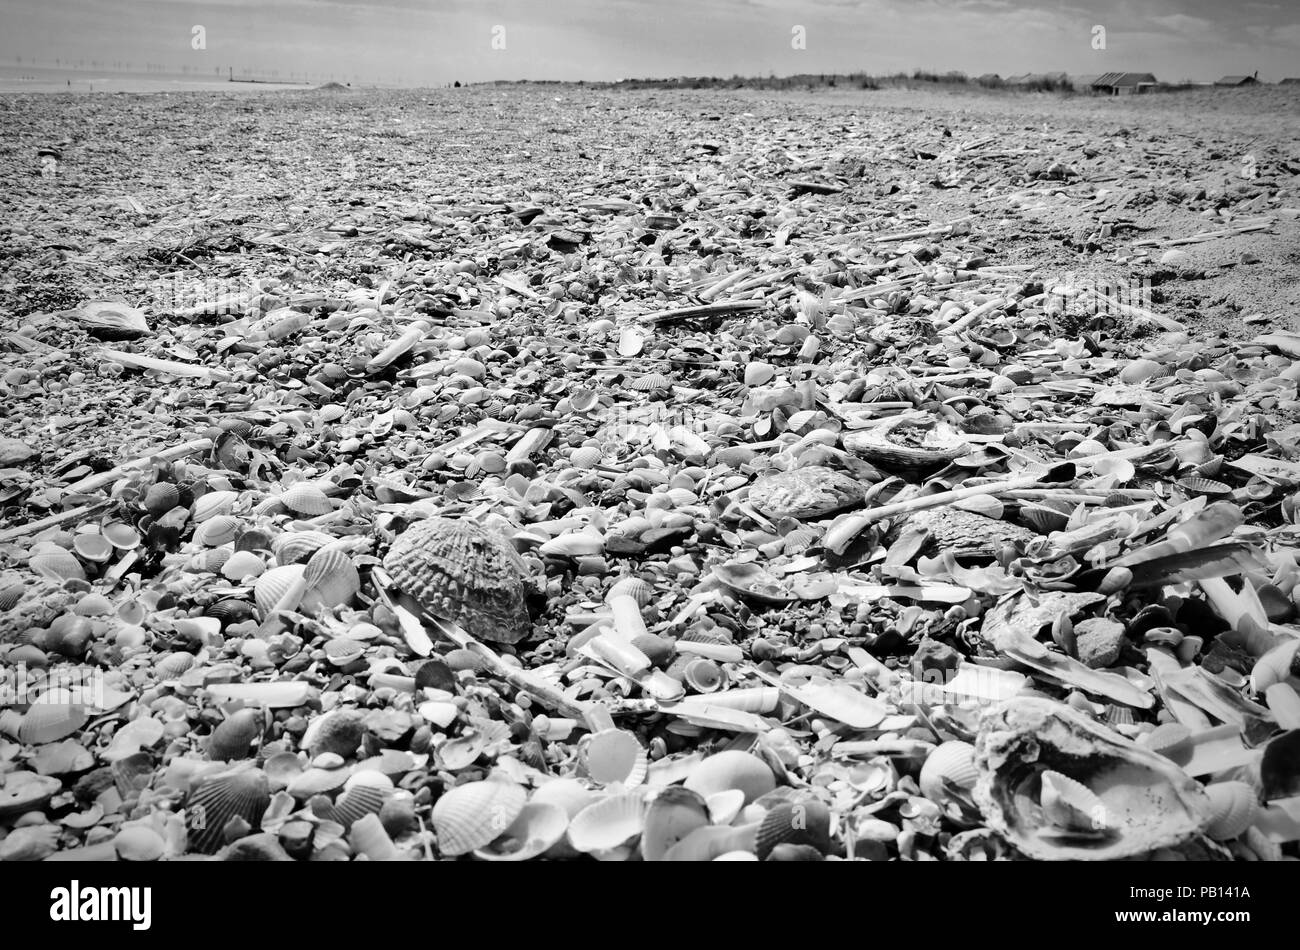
(1290, 81)
(1122, 84)
(1239, 80)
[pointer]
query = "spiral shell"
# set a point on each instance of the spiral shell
(216, 531)
(306, 499)
(217, 799)
(274, 584)
(234, 736)
(456, 569)
(294, 547)
(473, 815)
(1235, 808)
(950, 764)
(208, 506)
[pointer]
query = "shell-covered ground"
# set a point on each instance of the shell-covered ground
(849, 445)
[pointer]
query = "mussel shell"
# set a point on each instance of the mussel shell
(241, 793)
(475, 814)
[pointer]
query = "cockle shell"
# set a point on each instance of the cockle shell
(537, 829)
(306, 499)
(160, 498)
(208, 506)
(58, 565)
(805, 493)
(584, 457)
(242, 564)
(799, 822)
(1235, 808)
(673, 814)
(138, 842)
(357, 802)
(49, 720)
(732, 769)
(911, 440)
(1147, 802)
(242, 793)
(650, 382)
(10, 595)
(274, 584)
(608, 823)
(332, 578)
(234, 736)
(457, 570)
(296, 546)
(951, 764)
(121, 536)
(1071, 806)
(633, 587)
(473, 815)
(217, 531)
(171, 665)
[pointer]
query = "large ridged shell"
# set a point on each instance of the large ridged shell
(161, 498)
(206, 507)
(49, 721)
(473, 815)
(950, 764)
(1236, 806)
(217, 531)
(305, 499)
(912, 440)
(273, 585)
(234, 736)
(171, 665)
(1148, 802)
(537, 829)
(458, 570)
(294, 547)
(240, 793)
(357, 802)
(10, 594)
(808, 492)
(332, 578)
(673, 814)
(58, 565)
(798, 823)
(230, 611)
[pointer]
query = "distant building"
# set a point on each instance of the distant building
(1290, 81)
(1239, 80)
(1123, 84)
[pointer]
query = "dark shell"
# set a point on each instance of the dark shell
(795, 823)
(339, 732)
(133, 773)
(161, 498)
(462, 572)
(234, 737)
(230, 611)
(357, 802)
(242, 793)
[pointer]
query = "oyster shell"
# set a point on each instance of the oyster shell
(457, 570)
(808, 492)
(1042, 765)
(911, 440)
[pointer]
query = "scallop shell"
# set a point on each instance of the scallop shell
(10, 595)
(732, 769)
(473, 815)
(633, 587)
(332, 578)
(651, 382)
(47, 720)
(1196, 485)
(234, 736)
(217, 531)
(586, 456)
(171, 665)
(673, 814)
(910, 440)
(537, 829)
(294, 547)
(161, 498)
(208, 506)
(456, 569)
(58, 565)
(274, 584)
(799, 823)
(1236, 806)
(805, 493)
(221, 797)
(93, 547)
(306, 499)
(608, 823)
(1147, 802)
(950, 764)
(357, 802)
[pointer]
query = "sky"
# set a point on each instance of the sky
(434, 42)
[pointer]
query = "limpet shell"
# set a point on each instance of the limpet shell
(1235, 808)
(537, 829)
(242, 793)
(473, 815)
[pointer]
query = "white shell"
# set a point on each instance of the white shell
(273, 585)
(608, 823)
(305, 499)
(212, 504)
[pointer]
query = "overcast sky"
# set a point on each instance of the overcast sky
(437, 41)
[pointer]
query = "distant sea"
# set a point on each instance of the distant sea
(49, 79)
